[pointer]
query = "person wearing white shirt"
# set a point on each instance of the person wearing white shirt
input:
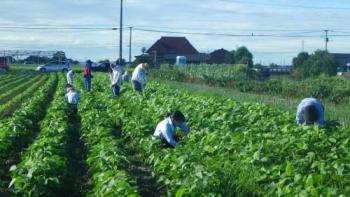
(72, 97)
(116, 79)
(126, 76)
(310, 111)
(166, 129)
(70, 76)
(139, 77)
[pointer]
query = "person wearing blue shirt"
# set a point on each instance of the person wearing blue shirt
(310, 111)
(165, 130)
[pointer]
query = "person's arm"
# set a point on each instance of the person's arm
(78, 97)
(111, 77)
(143, 78)
(184, 127)
(299, 116)
(320, 110)
(66, 97)
(119, 79)
(168, 135)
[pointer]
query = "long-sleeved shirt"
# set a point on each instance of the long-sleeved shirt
(72, 97)
(117, 74)
(87, 71)
(307, 102)
(70, 76)
(139, 74)
(125, 77)
(167, 128)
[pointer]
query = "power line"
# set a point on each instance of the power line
(288, 5)
(81, 28)
(58, 28)
(290, 35)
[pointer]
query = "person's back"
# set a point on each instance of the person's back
(117, 75)
(139, 77)
(309, 111)
(70, 75)
(138, 73)
(72, 97)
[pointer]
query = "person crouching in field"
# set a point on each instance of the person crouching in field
(72, 97)
(116, 78)
(126, 76)
(70, 76)
(165, 130)
(310, 111)
(139, 77)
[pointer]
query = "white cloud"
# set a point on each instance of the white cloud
(182, 15)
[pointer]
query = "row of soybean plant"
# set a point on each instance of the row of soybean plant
(18, 130)
(106, 160)
(44, 168)
(234, 148)
(13, 99)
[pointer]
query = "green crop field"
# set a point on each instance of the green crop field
(234, 148)
(331, 89)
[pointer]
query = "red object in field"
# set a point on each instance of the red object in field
(4, 63)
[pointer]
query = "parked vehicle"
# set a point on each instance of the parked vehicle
(258, 73)
(54, 67)
(103, 67)
(4, 64)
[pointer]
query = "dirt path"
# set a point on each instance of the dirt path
(142, 174)
(76, 185)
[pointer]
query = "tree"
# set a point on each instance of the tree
(243, 56)
(258, 66)
(230, 57)
(122, 62)
(143, 50)
(59, 56)
(104, 61)
(300, 59)
(321, 62)
(273, 65)
(36, 59)
(72, 61)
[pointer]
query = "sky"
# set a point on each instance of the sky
(83, 28)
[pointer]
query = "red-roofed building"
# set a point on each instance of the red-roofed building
(218, 56)
(166, 49)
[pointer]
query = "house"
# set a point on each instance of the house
(342, 58)
(166, 49)
(218, 56)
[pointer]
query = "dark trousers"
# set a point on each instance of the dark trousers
(115, 90)
(87, 83)
(137, 86)
(165, 143)
(74, 108)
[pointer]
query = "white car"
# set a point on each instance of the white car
(53, 67)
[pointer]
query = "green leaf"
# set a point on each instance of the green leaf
(13, 167)
(12, 182)
(180, 192)
(289, 169)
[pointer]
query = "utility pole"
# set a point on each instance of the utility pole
(327, 39)
(121, 33)
(130, 44)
